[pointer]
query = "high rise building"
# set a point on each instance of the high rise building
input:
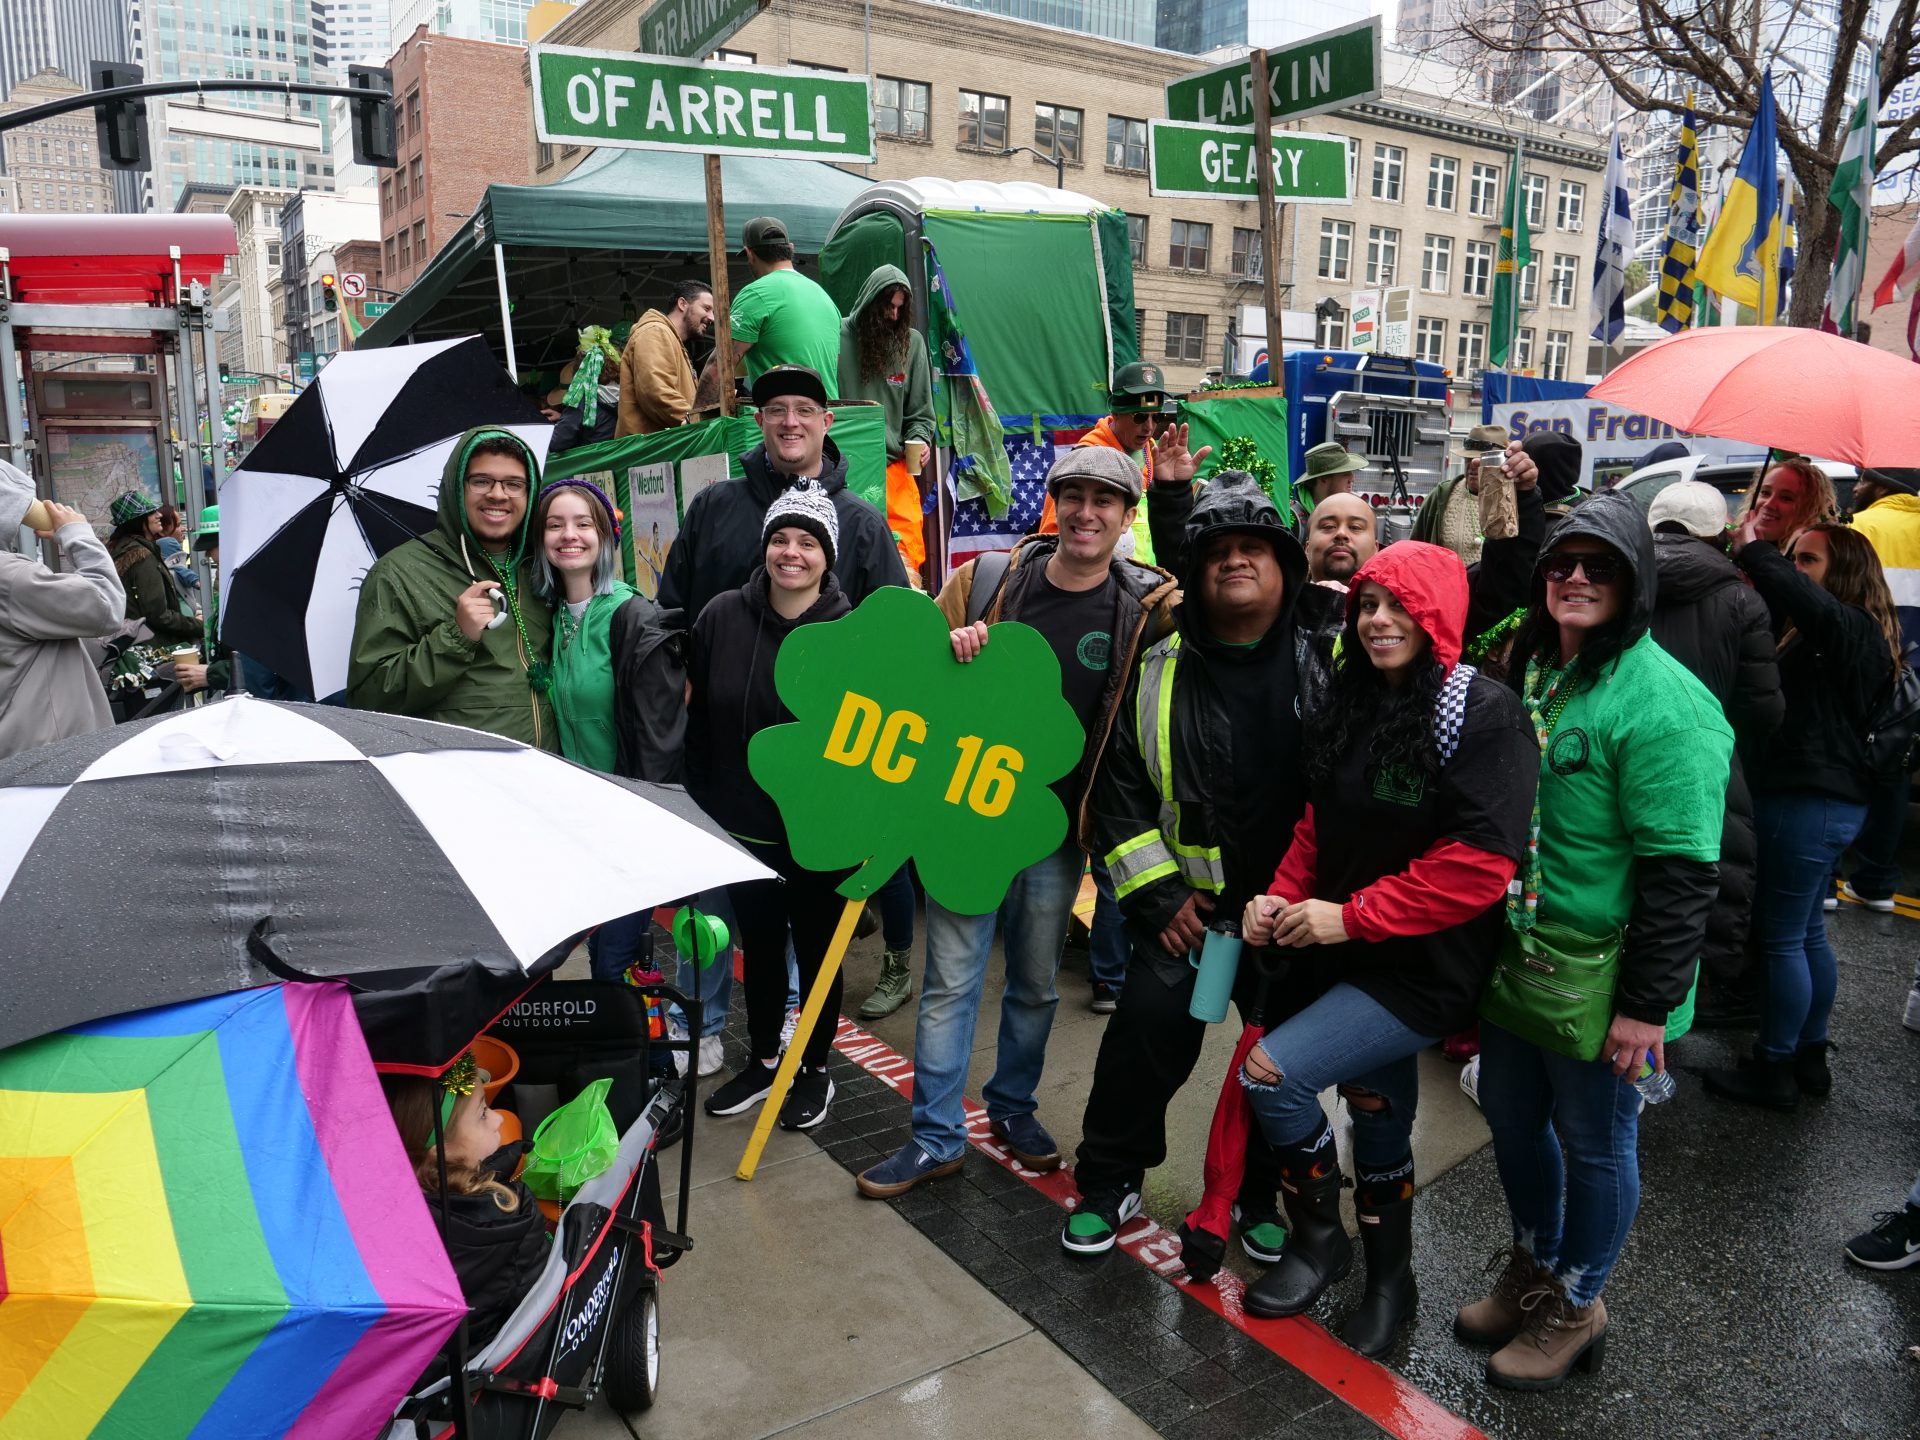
(52, 166)
(350, 32)
(1196, 27)
(504, 21)
(61, 35)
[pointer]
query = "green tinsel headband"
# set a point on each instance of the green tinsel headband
(459, 1081)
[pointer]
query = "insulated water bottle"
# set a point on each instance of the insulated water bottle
(1217, 962)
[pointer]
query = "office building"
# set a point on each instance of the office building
(502, 21)
(314, 226)
(53, 166)
(1197, 27)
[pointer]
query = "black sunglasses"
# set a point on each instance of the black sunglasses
(1599, 569)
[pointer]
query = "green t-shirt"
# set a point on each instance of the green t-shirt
(583, 679)
(1636, 765)
(789, 320)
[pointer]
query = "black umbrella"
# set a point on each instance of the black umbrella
(350, 471)
(235, 844)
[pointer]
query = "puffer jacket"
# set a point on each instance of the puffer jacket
(497, 1254)
(409, 655)
(1707, 618)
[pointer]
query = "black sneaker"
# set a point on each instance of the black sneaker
(1893, 1244)
(1093, 1228)
(743, 1091)
(1106, 999)
(807, 1102)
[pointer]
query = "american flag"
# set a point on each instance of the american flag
(975, 532)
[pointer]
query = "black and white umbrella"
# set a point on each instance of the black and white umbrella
(136, 862)
(350, 471)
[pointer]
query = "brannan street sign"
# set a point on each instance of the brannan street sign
(1339, 67)
(694, 29)
(651, 102)
(1214, 162)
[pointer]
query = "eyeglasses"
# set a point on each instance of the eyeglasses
(1599, 569)
(480, 484)
(780, 413)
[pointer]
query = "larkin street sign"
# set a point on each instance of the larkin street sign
(1340, 67)
(651, 102)
(694, 29)
(1214, 162)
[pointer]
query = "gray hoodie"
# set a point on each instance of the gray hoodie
(48, 686)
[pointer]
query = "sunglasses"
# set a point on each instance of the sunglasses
(1599, 569)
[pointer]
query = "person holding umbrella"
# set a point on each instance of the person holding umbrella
(1790, 497)
(448, 627)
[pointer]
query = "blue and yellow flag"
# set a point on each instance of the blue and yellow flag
(1741, 259)
(1675, 310)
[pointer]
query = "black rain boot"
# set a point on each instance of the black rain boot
(1386, 1239)
(1317, 1251)
(1758, 1081)
(1810, 1070)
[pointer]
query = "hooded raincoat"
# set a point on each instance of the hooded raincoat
(409, 655)
(905, 392)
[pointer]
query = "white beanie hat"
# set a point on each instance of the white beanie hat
(806, 505)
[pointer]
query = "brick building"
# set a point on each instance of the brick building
(363, 258)
(463, 117)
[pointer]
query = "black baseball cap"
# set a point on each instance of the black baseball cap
(762, 231)
(790, 380)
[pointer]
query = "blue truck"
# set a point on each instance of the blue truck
(1391, 411)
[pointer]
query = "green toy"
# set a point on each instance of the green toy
(701, 937)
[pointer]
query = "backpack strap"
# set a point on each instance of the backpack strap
(989, 578)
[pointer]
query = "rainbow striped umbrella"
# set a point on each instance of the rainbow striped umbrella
(208, 1228)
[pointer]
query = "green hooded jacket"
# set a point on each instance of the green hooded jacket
(906, 396)
(409, 656)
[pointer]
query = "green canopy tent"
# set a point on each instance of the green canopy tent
(534, 263)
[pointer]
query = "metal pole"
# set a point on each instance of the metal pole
(506, 310)
(184, 408)
(1520, 217)
(1269, 217)
(216, 413)
(16, 425)
(722, 295)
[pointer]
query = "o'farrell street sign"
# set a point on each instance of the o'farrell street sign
(694, 29)
(1215, 162)
(651, 102)
(1339, 67)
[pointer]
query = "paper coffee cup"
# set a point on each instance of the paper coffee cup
(37, 516)
(916, 456)
(186, 655)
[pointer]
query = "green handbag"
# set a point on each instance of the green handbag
(1553, 987)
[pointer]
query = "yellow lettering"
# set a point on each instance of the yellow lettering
(992, 788)
(888, 764)
(969, 752)
(853, 730)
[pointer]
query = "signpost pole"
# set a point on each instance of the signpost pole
(722, 296)
(1269, 213)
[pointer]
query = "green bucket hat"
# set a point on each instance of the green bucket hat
(1327, 459)
(207, 532)
(131, 505)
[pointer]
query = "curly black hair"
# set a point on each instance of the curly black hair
(1396, 722)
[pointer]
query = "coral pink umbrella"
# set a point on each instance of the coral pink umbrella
(1792, 389)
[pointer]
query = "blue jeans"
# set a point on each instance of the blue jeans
(1800, 835)
(896, 910)
(716, 981)
(1566, 1137)
(1035, 913)
(1876, 872)
(616, 944)
(1107, 944)
(1346, 1037)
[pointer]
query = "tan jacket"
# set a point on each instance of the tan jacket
(656, 378)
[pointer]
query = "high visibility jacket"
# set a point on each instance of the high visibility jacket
(1892, 525)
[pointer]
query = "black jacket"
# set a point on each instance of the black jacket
(719, 543)
(1707, 618)
(730, 663)
(1832, 671)
(497, 1254)
(571, 431)
(649, 688)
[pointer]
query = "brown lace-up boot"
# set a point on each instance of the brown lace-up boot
(1555, 1337)
(1497, 1319)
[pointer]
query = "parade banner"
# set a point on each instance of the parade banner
(1612, 438)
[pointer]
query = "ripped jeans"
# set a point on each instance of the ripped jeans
(1346, 1037)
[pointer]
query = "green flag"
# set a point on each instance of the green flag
(1516, 253)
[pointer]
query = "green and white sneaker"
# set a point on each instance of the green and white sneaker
(1093, 1228)
(1262, 1235)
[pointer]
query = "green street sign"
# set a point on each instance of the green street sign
(374, 309)
(246, 380)
(1213, 162)
(1339, 67)
(650, 102)
(694, 29)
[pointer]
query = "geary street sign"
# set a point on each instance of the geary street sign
(652, 102)
(694, 29)
(1186, 161)
(1339, 67)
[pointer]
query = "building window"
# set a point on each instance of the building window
(901, 107)
(1383, 255)
(406, 249)
(1443, 171)
(1522, 350)
(420, 240)
(1336, 252)
(1246, 254)
(733, 57)
(1389, 166)
(1430, 340)
(983, 121)
(1331, 325)
(1137, 238)
(1573, 205)
(273, 253)
(809, 65)
(1561, 283)
(418, 172)
(393, 253)
(1186, 337)
(400, 187)
(1483, 191)
(1058, 125)
(386, 194)
(1126, 143)
(1140, 329)
(1436, 264)
(543, 155)
(1473, 349)
(1476, 270)
(1530, 284)
(413, 109)
(1189, 245)
(1559, 353)
(1536, 188)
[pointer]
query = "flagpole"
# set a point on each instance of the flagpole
(1513, 251)
(1873, 175)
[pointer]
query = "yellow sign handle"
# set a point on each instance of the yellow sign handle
(790, 1062)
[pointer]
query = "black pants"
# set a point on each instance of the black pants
(805, 902)
(1149, 1051)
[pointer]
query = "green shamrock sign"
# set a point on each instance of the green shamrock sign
(900, 750)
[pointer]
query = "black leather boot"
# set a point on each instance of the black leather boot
(1756, 1081)
(1810, 1070)
(1317, 1251)
(1386, 1239)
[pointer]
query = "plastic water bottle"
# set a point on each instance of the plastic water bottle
(1655, 1086)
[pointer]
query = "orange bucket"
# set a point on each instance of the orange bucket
(499, 1059)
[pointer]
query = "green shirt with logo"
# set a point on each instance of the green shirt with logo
(788, 320)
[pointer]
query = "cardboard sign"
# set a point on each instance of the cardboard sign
(900, 750)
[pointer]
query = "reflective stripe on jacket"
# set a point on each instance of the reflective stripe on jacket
(1162, 851)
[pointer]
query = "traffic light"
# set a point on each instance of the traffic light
(226, 372)
(330, 291)
(372, 120)
(121, 124)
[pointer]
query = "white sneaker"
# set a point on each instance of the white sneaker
(712, 1060)
(677, 1031)
(1912, 1021)
(1832, 902)
(1470, 1079)
(787, 1027)
(1885, 907)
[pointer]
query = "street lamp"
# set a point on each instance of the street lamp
(1056, 159)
